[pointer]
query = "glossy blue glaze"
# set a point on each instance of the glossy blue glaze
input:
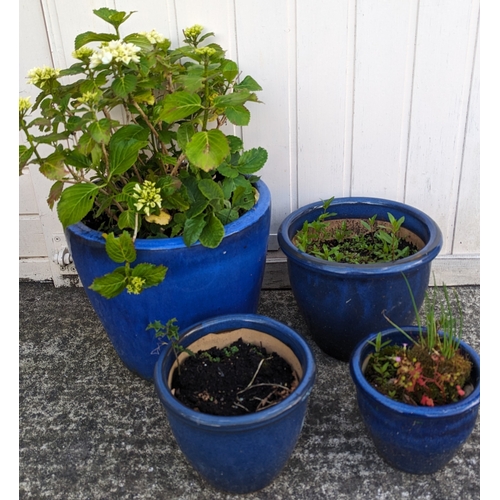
(415, 439)
(199, 284)
(243, 453)
(342, 303)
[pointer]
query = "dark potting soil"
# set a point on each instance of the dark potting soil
(237, 380)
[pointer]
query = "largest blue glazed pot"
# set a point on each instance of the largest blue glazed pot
(343, 303)
(240, 454)
(414, 439)
(199, 284)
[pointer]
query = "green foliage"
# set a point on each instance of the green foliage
(132, 136)
(432, 371)
(171, 331)
(366, 244)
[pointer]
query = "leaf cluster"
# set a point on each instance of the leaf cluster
(430, 370)
(109, 124)
(368, 243)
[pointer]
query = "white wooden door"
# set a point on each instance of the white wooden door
(361, 98)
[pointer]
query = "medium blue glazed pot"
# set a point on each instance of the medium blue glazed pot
(199, 284)
(239, 454)
(343, 303)
(415, 439)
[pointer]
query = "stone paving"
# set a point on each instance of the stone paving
(90, 429)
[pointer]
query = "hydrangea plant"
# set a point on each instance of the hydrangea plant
(135, 143)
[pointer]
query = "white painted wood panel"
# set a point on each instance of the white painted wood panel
(325, 83)
(27, 197)
(385, 46)
(443, 68)
(467, 235)
(31, 238)
(361, 97)
(266, 50)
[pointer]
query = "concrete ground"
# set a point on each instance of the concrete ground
(90, 429)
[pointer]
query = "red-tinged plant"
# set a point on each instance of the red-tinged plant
(431, 371)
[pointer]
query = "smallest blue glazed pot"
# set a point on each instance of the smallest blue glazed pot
(414, 439)
(240, 454)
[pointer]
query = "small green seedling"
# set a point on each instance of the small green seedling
(171, 331)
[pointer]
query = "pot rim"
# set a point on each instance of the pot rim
(430, 250)
(247, 219)
(355, 367)
(224, 323)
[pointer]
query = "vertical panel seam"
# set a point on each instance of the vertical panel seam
(350, 98)
(411, 83)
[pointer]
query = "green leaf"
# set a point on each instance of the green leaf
(126, 219)
(252, 160)
(24, 157)
(210, 189)
(175, 107)
(238, 115)
(55, 193)
(250, 84)
(197, 208)
(184, 135)
(110, 285)
(111, 16)
(192, 229)
(50, 138)
(124, 85)
(230, 70)
(194, 78)
(384, 237)
(89, 36)
(227, 215)
(140, 41)
(207, 150)
(76, 202)
(100, 131)
(212, 233)
(153, 275)
(228, 170)
(77, 159)
(234, 99)
(243, 198)
(124, 147)
(120, 249)
(53, 166)
(235, 143)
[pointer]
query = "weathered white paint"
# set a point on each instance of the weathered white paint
(361, 97)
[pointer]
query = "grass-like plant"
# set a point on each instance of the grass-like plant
(430, 370)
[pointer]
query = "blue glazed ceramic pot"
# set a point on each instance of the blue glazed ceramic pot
(343, 303)
(199, 284)
(415, 439)
(240, 454)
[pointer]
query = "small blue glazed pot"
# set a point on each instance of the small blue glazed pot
(414, 439)
(200, 282)
(343, 303)
(240, 454)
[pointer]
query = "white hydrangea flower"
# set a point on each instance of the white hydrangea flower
(147, 196)
(38, 76)
(115, 50)
(24, 104)
(82, 53)
(153, 36)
